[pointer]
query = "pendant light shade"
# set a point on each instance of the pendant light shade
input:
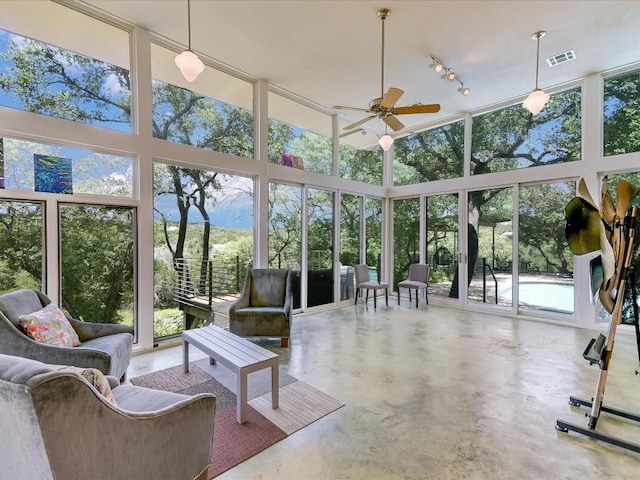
(537, 99)
(190, 65)
(188, 62)
(385, 142)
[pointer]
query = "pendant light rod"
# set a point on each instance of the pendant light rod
(189, 23)
(537, 36)
(383, 13)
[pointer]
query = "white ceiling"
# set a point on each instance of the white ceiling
(329, 51)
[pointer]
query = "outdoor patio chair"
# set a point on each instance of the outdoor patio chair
(418, 279)
(363, 280)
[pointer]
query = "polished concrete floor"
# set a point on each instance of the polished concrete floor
(442, 393)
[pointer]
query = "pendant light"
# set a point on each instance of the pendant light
(537, 99)
(188, 62)
(385, 141)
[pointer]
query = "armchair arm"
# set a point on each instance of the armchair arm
(172, 442)
(243, 301)
(89, 331)
(14, 342)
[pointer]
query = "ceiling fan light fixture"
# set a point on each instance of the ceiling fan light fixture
(188, 62)
(385, 142)
(537, 99)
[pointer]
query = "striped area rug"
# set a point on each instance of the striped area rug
(300, 405)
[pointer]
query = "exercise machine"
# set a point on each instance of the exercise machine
(599, 350)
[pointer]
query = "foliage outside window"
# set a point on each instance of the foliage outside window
(91, 172)
(41, 78)
(442, 213)
(285, 231)
(621, 129)
(364, 165)
(320, 225)
(96, 260)
(21, 245)
(512, 138)
(406, 237)
(202, 217)
(186, 117)
(373, 226)
(435, 154)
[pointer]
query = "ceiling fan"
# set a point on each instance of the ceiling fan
(384, 107)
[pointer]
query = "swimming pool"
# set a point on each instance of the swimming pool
(543, 296)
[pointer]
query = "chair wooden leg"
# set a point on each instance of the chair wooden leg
(357, 291)
(386, 296)
(284, 342)
(416, 298)
(398, 295)
(374, 298)
(366, 298)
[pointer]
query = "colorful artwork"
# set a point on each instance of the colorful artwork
(286, 160)
(52, 174)
(292, 161)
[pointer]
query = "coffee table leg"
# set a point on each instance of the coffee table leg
(241, 414)
(185, 355)
(275, 388)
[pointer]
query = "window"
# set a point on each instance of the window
(546, 264)
(358, 159)
(320, 246)
(513, 138)
(299, 136)
(57, 169)
(622, 114)
(21, 245)
(442, 242)
(56, 72)
(431, 155)
(97, 263)
(285, 232)
(203, 220)
(406, 237)
(350, 228)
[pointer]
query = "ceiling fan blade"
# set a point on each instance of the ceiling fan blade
(393, 122)
(391, 97)
(342, 107)
(432, 108)
(359, 122)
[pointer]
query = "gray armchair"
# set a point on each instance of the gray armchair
(54, 424)
(264, 306)
(104, 346)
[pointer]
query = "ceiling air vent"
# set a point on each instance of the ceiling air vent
(561, 58)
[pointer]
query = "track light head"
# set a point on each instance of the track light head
(464, 91)
(451, 75)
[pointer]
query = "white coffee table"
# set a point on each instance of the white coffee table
(239, 355)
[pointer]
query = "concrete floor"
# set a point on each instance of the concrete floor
(442, 393)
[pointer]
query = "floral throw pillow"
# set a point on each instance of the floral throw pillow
(50, 326)
(97, 379)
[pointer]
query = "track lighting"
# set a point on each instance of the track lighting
(188, 62)
(537, 99)
(448, 74)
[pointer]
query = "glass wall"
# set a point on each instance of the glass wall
(203, 226)
(621, 114)
(350, 240)
(435, 154)
(406, 237)
(489, 240)
(545, 280)
(55, 72)
(320, 225)
(285, 232)
(299, 136)
(97, 256)
(22, 246)
(214, 112)
(364, 165)
(442, 242)
(512, 138)
(373, 230)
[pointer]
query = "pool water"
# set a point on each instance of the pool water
(544, 296)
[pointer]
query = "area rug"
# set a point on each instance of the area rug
(300, 405)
